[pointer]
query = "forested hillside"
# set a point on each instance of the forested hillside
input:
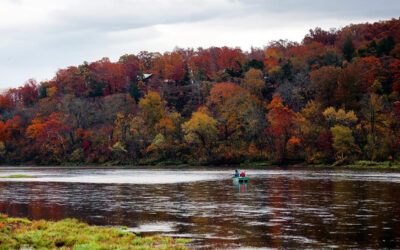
(334, 96)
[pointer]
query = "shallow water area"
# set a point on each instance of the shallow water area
(278, 208)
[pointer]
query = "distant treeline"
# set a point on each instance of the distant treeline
(334, 96)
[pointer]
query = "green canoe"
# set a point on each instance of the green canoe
(241, 179)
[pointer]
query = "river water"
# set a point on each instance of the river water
(278, 208)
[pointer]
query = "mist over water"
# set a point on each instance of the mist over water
(278, 208)
(111, 176)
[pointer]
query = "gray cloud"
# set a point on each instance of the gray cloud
(337, 8)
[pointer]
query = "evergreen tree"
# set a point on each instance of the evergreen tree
(385, 46)
(348, 49)
(134, 91)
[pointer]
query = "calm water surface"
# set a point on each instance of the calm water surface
(277, 209)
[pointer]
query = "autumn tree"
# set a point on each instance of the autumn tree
(49, 136)
(320, 35)
(376, 125)
(108, 75)
(26, 95)
(69, 81)
(313, 133)
(79, 113)
(82, 145)
(201, 130)
(130, 66)
(395, 70)
(339, 117)
(325, 82)
(152, 109)
(340, 123)
(9, 131)
(254, 82)
(350, 89)
(343, 141)
(240, 117)
(219, 93)
(170, 67)
(276, 74)
(121, 135)
(168, 140)
(282, 128)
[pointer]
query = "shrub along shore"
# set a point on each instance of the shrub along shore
(19, 233)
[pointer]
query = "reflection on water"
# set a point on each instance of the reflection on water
(240, 187)
(288, 209)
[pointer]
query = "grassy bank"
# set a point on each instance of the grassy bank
(360, 165)
(374, 165)
(17, 233)
(15, 176)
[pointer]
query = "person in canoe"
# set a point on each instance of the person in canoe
(236, 174)
(242, 174)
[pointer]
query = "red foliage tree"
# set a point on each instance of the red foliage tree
(9, 129)
(49, 135)
(283, 122)
(71, 80)
(222, 91)
(130, 67)
(325, 141)
(395, 70)
(110, 75)
(26, 95)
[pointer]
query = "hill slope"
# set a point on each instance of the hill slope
(333, 97)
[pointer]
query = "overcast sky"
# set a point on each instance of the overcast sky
(37, 37)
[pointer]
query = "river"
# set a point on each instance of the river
(278, 208)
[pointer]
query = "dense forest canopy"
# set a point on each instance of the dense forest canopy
(335, 96)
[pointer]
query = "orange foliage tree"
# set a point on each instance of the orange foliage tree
(49, 136)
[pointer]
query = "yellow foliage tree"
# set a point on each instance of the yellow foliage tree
(201, 129)
(339, 117)
(152, 110)
(254, 82)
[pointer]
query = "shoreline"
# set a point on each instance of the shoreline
(360, 165)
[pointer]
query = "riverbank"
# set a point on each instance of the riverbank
(360, 165)
(357, 165)
(17, 233)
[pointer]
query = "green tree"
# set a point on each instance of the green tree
(331, 58)
(343, 141)
(385, 46)
(349, 50)
(134, 91)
